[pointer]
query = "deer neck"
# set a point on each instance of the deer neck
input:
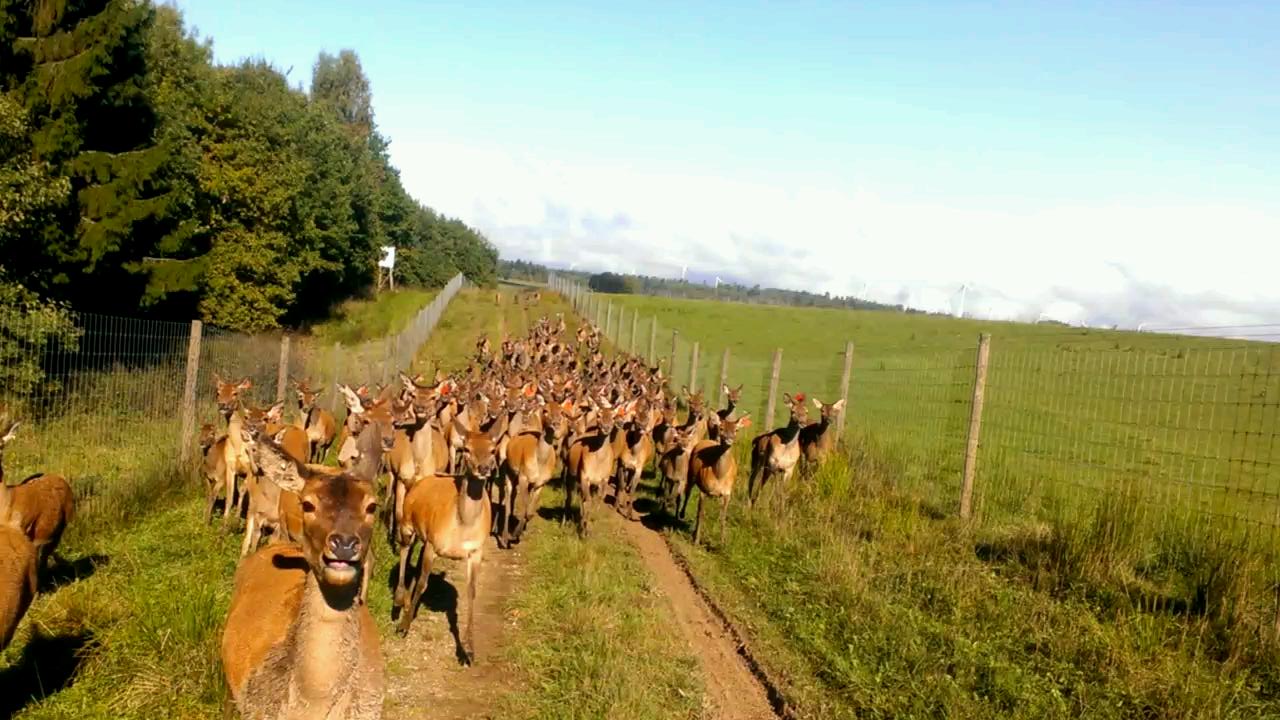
(472, 500)
(791, 433)
(326, 641)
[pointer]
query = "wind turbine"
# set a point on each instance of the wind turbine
(964, 290)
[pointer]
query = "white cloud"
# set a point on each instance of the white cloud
(1125, 264)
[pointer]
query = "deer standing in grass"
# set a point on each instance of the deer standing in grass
(674, 469)
(713, 469)
(319, 424)
(732, 397)
(530, 465)
(227, 459)
(18, 555)
(451, 517)
(298, 643)
(40, 506)
(634, 453)
(777, 452)
(816, 439)
(591, 463)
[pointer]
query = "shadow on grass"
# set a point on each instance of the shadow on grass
(47, 666)
(440, 596)
(65, 572)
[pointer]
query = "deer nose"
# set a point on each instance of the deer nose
(344, 547)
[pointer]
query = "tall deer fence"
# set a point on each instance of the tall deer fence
(116, 404)
(1181, 430)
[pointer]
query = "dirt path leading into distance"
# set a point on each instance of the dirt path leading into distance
(733, 692)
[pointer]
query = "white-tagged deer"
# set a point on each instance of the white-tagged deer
(297, 642)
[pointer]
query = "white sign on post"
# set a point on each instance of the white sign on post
(388, 257)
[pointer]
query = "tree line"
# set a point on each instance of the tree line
(136, 175)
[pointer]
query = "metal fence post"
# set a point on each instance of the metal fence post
(188, 408)
(975, 426)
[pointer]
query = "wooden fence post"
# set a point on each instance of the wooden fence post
(693, 369)
(188, 408)
(282, 375)
(335, 359)
(724, 377)
(844, 388)
(608, 321)
(635, 325)
(653, 341)
(671, 371)
(975, 426)
(773, 391)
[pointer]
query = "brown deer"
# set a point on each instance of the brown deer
(777, 452)
(18, 555)
(816, 439)
(529, 466)
(591, 462)
(320, 425)
(227, 395)
(40, 506)
(633, 457)
(674, 469)
(451, 517)
(297, 642)
(713, 468)
(732, 397)
(227, 459)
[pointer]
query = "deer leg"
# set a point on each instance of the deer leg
(568, 496)
(366, 569)
(210, 498)
(724, 516)
(584, 492)
(250, 527)
(697, 524)
(473, 576)
(530, 507)
(397, 512)
(419, 584)
(401, 590)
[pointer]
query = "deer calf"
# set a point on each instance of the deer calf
(451, 517)
(297, 642)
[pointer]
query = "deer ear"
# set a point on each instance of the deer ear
(353, 400)
(460, 428)
(838, 405)
(786, 398)
(724, 388)
(744, 422)
(217, 378)
(245, 384)
(817, 403)
(10, 434)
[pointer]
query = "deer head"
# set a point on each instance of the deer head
(478, 453)
(306, 396)
(728, 429)
(227, 394)
(799, 411)
(338, 514)
(828, 412)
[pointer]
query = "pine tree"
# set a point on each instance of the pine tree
(79, 68)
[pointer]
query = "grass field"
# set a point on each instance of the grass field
(1121, 563)
(1188, 423)
(388, 313)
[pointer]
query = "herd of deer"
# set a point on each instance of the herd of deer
(466, 457)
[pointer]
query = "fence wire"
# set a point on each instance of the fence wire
(1181, 429)
(101, 399)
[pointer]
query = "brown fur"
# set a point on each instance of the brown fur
(41, 508)
(18, 555)
(713, 468)
(777, 452)
(816, 439)
(297, 642)
(450, 517)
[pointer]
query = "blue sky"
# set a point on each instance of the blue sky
(1114, 162)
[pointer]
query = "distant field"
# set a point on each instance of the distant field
(1190, 422)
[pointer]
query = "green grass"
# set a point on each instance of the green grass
(869, 603)
(592, 638)
(1070, 415)
(388, 313)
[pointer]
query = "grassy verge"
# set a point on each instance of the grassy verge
(868, 602)
(590, 639)
(386, 314)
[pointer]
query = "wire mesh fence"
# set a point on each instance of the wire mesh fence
(1181, 429)
(116, 404)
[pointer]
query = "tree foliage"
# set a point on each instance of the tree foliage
(138, 173)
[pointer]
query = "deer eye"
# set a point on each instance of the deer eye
(308, 506)
(371, 508)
